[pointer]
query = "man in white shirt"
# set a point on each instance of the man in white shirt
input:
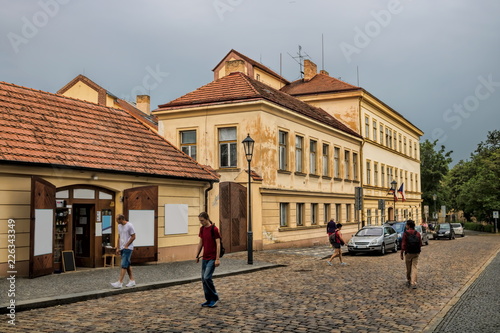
(126, 237)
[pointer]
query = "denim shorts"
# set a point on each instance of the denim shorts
(126, 255)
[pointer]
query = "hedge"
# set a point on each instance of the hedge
(479, 227)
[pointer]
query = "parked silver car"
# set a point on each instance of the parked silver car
(373, 239)
(423, 232)
(459, 230)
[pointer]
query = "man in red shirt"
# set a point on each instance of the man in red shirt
(210, 243)
(410, 250)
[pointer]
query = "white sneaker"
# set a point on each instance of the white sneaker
(131, 283)
(117, 284)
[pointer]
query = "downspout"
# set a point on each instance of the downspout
(206, 195)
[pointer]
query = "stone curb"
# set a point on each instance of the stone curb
(45, 302)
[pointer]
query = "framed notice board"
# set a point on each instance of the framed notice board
(68, 259)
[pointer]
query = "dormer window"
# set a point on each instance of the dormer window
(257, 77)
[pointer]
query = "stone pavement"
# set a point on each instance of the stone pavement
(302, 294)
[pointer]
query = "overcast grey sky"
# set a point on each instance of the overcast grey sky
(435, 62)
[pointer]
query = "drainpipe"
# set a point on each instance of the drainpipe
(206, 195)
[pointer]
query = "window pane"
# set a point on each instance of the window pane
(224, 155)
(227, 134)
(188, 137)
(232, 154)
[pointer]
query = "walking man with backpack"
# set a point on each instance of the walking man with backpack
(337, 241)
(211, 245)
(410, 250)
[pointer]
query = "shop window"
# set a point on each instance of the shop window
(83, 193)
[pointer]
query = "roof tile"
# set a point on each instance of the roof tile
(45, 128)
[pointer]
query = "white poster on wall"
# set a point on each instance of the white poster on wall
(144, 225)
(176, 219)
(44, 231)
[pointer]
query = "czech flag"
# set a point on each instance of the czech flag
(402, 192)
(393, 192)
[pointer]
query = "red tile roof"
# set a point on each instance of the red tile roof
(237, 87)
(320, 83)
(41, 128)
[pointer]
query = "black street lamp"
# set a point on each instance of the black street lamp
(394, 185)
(248, 144)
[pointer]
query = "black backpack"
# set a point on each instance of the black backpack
(222, 249)
(412, 242)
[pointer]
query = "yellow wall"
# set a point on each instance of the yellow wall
(263, 121)
(15, 200)
(82, 91)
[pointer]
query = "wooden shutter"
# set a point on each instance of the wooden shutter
(143, 198)
(43, 205)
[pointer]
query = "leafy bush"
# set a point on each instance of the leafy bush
(479, 227)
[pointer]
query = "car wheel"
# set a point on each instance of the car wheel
(395, 249)
(382, 249)
(463, 234)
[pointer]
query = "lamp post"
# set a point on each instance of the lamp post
(434, 197)
(248, 144)
(394, 185)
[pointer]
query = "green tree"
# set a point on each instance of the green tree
(434, 166)
(475, 185)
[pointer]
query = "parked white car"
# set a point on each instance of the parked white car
(459, 230)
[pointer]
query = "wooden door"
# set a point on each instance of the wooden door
(43, 205)
(84, 234)
(140, 207)
(233, 216)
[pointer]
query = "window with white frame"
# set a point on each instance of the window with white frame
(374, 130)
(314, 213)
(367, 127)
(382, 177)
(338, 213)
(411, 150)
(300, 214)
(188, 143)
(395, 135)
(336, 161)
(326, 212)
(227, 147)
(369, 216)
(375, 173)
(283, 150)
(312, 156)
(400, 144)
(325, 162)
(283, 214)
(299, 146)
(368, 173)
(348, 212)
(381, 126)
(355, 166)
(347, 164)
(404, 145)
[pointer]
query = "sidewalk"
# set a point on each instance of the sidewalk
(85, 284)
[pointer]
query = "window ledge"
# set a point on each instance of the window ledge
(297, 173)
(311, 175)
(302, 227)
(326, 177)
(228, 170)
(286, 172)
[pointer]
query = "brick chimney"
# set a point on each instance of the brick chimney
(310, 69)
(143, 103)
(235, 66)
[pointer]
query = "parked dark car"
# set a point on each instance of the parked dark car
(444, 230)
(400, 227)
(423, 232)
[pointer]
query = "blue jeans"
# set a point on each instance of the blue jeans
(207, 270)
(126, 254)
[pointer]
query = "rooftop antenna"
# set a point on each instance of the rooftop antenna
(300, 61)
(322, 53)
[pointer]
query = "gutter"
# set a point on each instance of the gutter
(210, 187)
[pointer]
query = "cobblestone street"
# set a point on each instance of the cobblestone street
(368, 295)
